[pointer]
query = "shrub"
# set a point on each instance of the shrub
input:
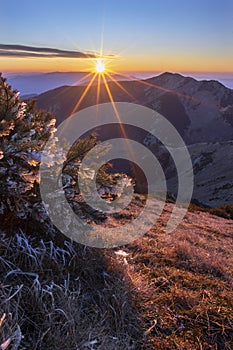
(24, 132)
(225, 211)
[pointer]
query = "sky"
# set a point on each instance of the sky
(142, 35)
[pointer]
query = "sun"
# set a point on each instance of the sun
(100, 66)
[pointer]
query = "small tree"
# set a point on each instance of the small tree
(24, 132)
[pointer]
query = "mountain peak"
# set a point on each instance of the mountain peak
(171, 74)
(171, 81)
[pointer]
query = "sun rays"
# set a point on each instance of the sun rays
(101, 76)
(76, 107)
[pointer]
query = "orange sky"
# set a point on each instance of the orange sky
(156, 63)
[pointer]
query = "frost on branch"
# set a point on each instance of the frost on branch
(24, 132)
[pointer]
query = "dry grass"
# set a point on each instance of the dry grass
(184, 283)
(167, 292)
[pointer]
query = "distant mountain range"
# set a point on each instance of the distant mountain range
(202, 112)
(35, 83)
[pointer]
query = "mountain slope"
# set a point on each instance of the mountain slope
(202, 112)
(207, 103)
(183, 282)
(213, 174)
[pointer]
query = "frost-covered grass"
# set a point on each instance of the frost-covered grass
(163, 291)
(62, 297)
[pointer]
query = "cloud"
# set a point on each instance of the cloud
(47, 52)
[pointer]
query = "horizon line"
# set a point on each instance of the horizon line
(120, 71)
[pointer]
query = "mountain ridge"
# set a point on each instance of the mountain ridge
(201, 111)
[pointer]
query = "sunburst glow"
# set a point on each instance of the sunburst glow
(100, 66)
(101, 77)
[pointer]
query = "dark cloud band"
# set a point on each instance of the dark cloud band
(47, 52)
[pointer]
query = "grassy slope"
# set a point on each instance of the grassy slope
(183, 283)
(169, 291)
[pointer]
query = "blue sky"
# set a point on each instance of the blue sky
(140, 31)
